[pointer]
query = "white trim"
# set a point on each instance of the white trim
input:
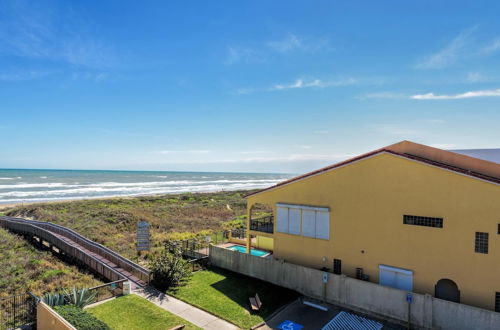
(368, 157)
(397, 270)
(303, 207)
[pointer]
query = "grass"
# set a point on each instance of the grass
(112, 222)
(225, 294)
(25, 268)
(135, 313)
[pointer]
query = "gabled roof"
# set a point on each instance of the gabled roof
(474, 167)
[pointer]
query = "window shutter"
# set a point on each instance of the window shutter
(282, 218)
(322, 225)
(309, 223)
(294, 216)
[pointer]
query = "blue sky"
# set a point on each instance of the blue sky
(266, 86)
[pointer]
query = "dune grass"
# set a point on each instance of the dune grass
(135, 313)
(225, 294)
(25, 268)
(112, 222)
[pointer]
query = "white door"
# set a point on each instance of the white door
(396, 277)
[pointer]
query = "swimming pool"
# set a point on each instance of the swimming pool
(242, 249)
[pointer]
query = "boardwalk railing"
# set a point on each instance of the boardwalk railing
(46, 231)
(108, 290)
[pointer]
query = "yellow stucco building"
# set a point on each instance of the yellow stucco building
(407, 216)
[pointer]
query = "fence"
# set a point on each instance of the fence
(264, 224)
(17, 311)
(426, 311)
(108, 290)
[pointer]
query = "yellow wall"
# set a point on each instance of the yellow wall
(48, 319)
(367, 201)
(265, 243)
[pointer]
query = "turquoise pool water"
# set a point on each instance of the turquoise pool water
(254, 252)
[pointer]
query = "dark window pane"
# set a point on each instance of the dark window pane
(422, 221)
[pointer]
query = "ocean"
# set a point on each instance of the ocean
(26, 186)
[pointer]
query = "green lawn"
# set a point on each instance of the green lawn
(226, 294)
(135, 313)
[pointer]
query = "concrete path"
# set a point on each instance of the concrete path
(192, 314)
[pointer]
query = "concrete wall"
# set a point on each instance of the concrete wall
(367, 200)
(426, 311)
(48, 319)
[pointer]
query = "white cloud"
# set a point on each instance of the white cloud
(244, 55)
(303, 83)
(475, 77)
(49, 33)
(492, 47)
(23, 75)
(292, 43)
(260, 53)
(167, 152)
(466, 95)
(448, 55)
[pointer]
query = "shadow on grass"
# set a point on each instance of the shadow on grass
(239, 288)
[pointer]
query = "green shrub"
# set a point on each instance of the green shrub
(80, 319)
(169, 269)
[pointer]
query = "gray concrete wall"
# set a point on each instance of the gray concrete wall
(426, 311)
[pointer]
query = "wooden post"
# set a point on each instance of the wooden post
(248, 236)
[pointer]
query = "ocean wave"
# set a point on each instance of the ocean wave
(117, 191)
(111, 191)
(133, 184)
(7, 178)
(31, 185)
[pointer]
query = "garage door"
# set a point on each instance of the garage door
(394, 277)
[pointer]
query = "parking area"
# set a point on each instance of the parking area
(300, 316)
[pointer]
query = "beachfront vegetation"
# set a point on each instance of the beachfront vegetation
(112, 222)
(225, 294)
(80, 319)
(169, 269)
(25, 268)
(135, 313)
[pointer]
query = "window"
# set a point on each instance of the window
(302, 220)
(499, 228)
(337, 266)
(497, 301)
(422, 221)
(481, 245)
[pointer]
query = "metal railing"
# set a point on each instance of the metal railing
(46, 230)
(108, 290)
(18, 311)
(264, 224)
(135, 269)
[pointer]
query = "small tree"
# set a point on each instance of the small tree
(169, 269)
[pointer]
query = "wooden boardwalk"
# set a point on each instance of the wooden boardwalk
(79, 249)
